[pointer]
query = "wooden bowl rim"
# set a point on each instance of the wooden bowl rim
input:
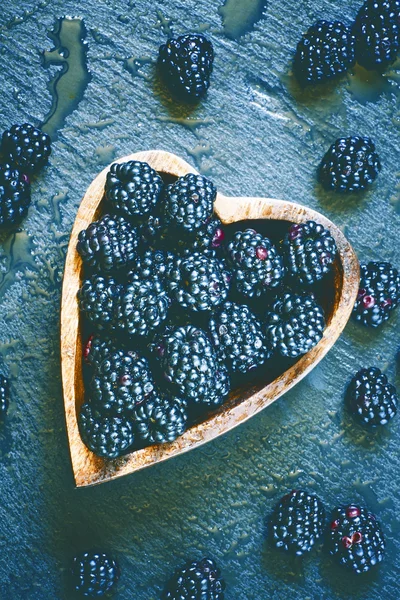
(89, 469)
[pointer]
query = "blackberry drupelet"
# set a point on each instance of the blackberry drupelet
(197, 580)
(214, 394)
(15, 196)
(308, 251)
(326, 51)
(98, 297)
(186, 64)
(153, 230)
(238, 337)
(94, 573)
(256, 265)
(378, 295)
(189, 202)
(107, 436)
(151, 266)
(350, 165)
(298, 522)
(96, 348)
(355, 538)
(161, 419)
(198, 282)
(142, 307)
(4, 396)
(294, 324)
(108, 244)
(133, 188)
(122, 381)
(26, 147)
(371, 398)
(377, 32)
(187, 359)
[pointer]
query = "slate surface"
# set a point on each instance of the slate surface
(255, 134)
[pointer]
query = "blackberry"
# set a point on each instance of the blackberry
(198, 282)
(98, 298)
(209, 238)
(350, 165)
(308, 252)
(186, 64)
(297, 522)
(214, 394)
(294, 324)
(133, 188)
(151, 266)
(189, 202)
(122, 381)
(108, 244)
(325, 52)
(378, 295)
(94, 573)
(255, 262)
(238, 337)
(371, 398)
(142, 307)
(377, 32)
(15, 196)
(197, 580)
(187, 359)
(96, 348)
(152, 230)
(161, 419)
(107, 436)
(26, 147)
(4, 396)
(355, 538)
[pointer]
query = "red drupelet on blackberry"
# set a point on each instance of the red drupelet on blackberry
(186, 64)
(107, 436)
(26, 148)
(197, 580)
(371, 398)
(15, 196)
(94, 573)
(298, 522)
(355, 538)
(325, 52)
(378, 295)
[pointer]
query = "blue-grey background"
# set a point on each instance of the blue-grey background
(254, 134)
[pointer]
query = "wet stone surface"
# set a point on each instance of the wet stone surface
(256, 134)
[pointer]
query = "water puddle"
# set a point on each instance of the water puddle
(240, 17)
(16, 256)
(69, 84)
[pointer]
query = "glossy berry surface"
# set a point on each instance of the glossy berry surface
(26, 147)
(15, 196)
(189, 203)
(371, 398)
(161, 418)
(94, 573)
(107, 436)
(197, 580)
(378, 294)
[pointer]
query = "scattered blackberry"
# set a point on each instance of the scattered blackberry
(94, 573)
(4, 396)
(326, 51)
(26, 147)
(187, 359)
(238, 337)
(255, 262)
(379, 293)
(122, 382)
(350, 165)
(355, 538)
(186, 64)
(133, 188)
(371, 398)
(308, 252)
(197, 580)
(151, 266)
(377, 32)
(107, 436)
(294, 324)
(98, 298)
(198, 282)
(161, 419)
(142, 307)
(96, 348)
(108, 244)
(189, 202)
(297, 522)
(15, 196)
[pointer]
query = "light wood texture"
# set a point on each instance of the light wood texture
(89, 469)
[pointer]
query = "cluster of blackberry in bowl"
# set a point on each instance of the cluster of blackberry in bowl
(178, 310)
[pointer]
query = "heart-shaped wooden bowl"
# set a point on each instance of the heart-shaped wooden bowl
(88, 468)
